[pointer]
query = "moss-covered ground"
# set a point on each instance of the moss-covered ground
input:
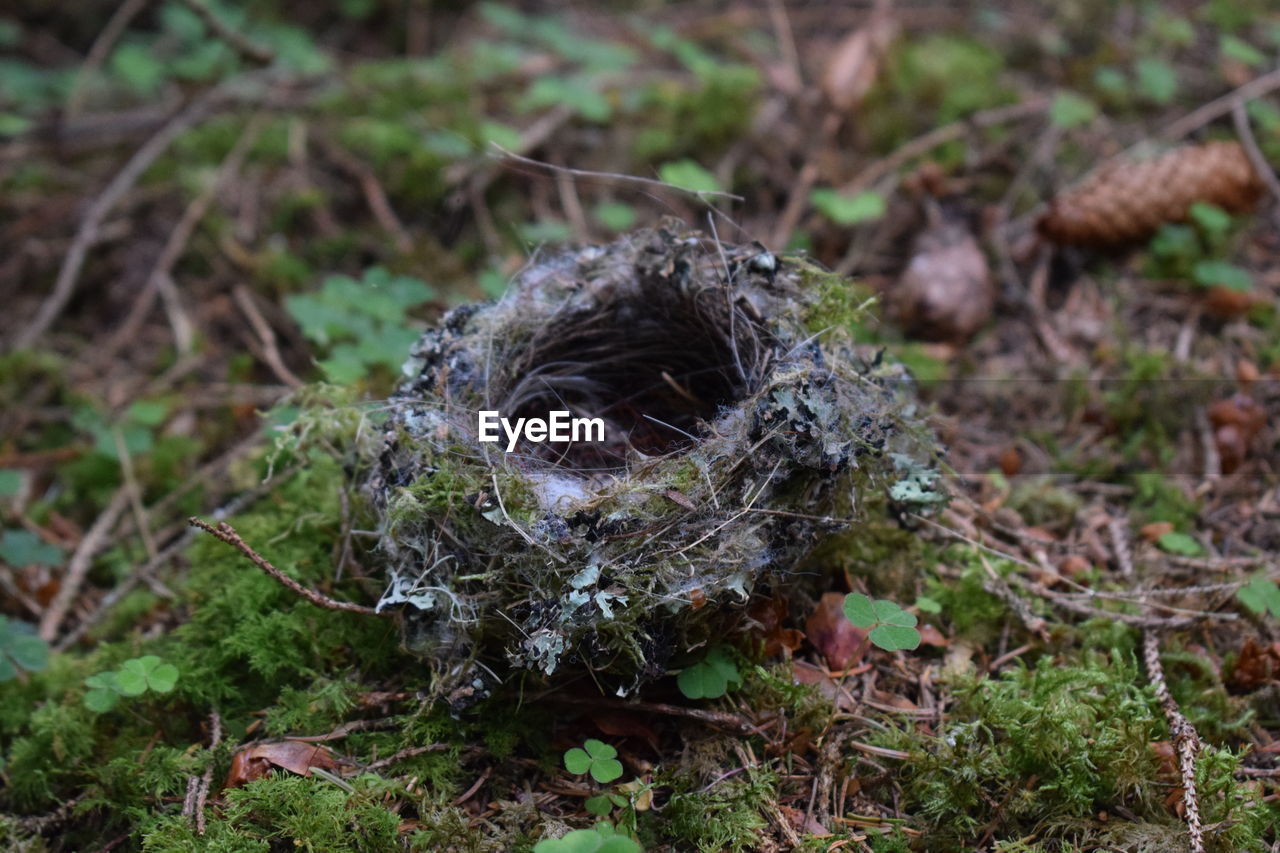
(249, 287)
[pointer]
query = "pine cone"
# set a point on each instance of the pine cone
(1127, 203)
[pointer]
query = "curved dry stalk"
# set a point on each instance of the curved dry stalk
(226, 533)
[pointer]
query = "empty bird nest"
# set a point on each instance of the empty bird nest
(740, 425)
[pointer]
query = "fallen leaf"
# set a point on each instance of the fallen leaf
(1255, 666)
(1153, 531)
(931, 636)
(770, 614)
(259, 759)
(946, 293)
(1236, 421)
(624, 724)
(1010, 461)
(855, 63)
(1227, 304)
(833, 635)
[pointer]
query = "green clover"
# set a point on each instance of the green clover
(20, 649)
(601, 838)
(103, 693)
(601, 804)
(1261, 596)
(892, 628)
(133, 678)
(596, 757)
(139, 675)
(710, 677)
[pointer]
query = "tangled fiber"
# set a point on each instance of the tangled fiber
(741, 425)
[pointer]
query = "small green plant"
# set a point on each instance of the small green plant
(134, 677)
(362, 324)
(710, 677)
(595, 757)
(1179, 543)
(1261, 596)
(601, 838)
(848, 210)
(20, 649)
(23, 548)
(892, 628)
(1195, 251)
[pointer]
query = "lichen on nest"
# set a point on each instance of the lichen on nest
(739, 430)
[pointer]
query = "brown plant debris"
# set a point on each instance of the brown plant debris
(1126, 203)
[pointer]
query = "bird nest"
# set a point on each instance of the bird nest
(740, 426)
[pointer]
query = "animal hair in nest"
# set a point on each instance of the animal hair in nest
(739, 431)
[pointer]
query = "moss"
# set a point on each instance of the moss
(290, 812)
(1058, 743)
(726, 817)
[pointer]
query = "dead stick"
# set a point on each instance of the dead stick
(1257, 159)
(226, 533)
(922, 145)
(81, 561)
(1185, 740)
(88, 233)
(236, 39)
(98, 52)
(206, 780)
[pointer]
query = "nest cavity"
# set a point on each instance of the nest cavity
(741, 425)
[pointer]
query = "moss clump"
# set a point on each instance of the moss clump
(735, 438)
(303, 813)
(1053, 746)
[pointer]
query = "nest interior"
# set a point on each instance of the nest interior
(741, 426)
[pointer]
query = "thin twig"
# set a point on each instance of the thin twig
(1185, 740)
(1219, 107)
(91, 226)
(1240, 116)
(374, 195)
(226, 533)
(206, 780)
(98, 53)
(267, 336)
(612, 176)
(922, 145)
(81, 561)
(236, 39)
(178, 239)
(169, 552)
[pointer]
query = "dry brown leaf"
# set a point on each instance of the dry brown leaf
(946, 292)
(259, 759)
(855, 64)
(624, 724)
(770, 614)
(1153, 531)
(1236, 421)
(838, 640)
(1255, 666)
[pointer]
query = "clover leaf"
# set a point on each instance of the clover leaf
(103, 692)
(20, 649)
(133, 678)
(710, 677)
(1261, 596)
(892, 628)
(139, 675)
(595, 757)
(601, 838)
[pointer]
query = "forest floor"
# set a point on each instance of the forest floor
(219, 219)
